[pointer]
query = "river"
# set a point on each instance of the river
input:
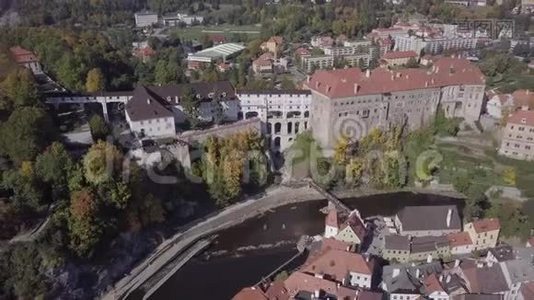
(242, 254)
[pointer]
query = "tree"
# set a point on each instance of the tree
(84, 230)
(509, 176)
(27, 131)
(26, 277)
(53, 166)
(20, 89)
(412, 63)
(191, 104)
(218, 111)
(95, 81)
(102, 163)
(99, 129)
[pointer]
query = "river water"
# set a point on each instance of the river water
(242, 254)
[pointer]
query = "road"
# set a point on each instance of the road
(233, 215)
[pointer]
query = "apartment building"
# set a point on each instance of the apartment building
(383, 98)
(283, 113)
(146, 18)
(518, 136)
(483, 233)
(317, 62)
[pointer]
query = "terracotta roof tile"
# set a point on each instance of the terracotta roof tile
(524, 98)
(22, 55)
(459, 239)
(485, 225)
(299, 281)
(352, 81)
(522, 117)
(431, 284)
(399, 54)
(250, 293)
(337, 264)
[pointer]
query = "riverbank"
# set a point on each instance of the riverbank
(231, 216)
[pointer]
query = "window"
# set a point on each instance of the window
(521, 128)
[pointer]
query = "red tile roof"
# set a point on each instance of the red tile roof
(250, 293)
(524, 98)
(486, 225)
(337, 264)
(332, 243)
(349, 82)
(431, 284)
(299, 281)
(522, 117)
(331, 218)
(302, 52)
(217, 38)
(399, 54)
(356, 224)
(22, 55)
(459, 239)
(527, 290)
(277, 291)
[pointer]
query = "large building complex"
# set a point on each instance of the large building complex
(146, 18)
(384, 98)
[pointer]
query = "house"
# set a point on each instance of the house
(273, 45)
(396, 248)
(429, 247)
(300, 285)
(526, 291)
(500, 254)
(179, 18)
(146, 19)
(345, 268)
(302, 52)
(404, 281)
(217, 39)
(516, 272)
(263, 64)
(352, 231)
(142, 51)
(484, 233)
(460, 243)
(148, 116)
(438, 220)
(484, 279)
(26, 59)
(433, 289)
(518, 136)
(331, 224)
(523, 99)
(398, 58)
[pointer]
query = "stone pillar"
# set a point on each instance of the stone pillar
(105, 110)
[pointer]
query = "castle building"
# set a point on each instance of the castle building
(353, 101)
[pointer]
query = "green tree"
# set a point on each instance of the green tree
(53, 165)
(191, 105)
(25, 271)
(99, 129)
(95, 81)
(20, 89)
(27, 131)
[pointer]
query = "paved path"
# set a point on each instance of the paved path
(230, 216)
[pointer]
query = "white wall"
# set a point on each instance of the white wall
(360, 280)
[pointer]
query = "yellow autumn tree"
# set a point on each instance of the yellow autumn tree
(95, 81)
(340, 150)
(509, 176)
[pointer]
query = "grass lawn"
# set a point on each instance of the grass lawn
(196, 32)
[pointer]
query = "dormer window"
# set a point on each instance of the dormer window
(523, 120)
(210, 95)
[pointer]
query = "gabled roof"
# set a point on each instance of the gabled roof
(299, 282)
(435, 218)
(356, 225)
(21, 55)
(527, 290)
(486, 279)
(397, 242)
(337, 264)
(146, 105)
(332, 218)
(524, 98)
(431, 284)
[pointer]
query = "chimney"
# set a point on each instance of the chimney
(356, 88)
(177, 99)
(429, 258)
(456, 263)
(317, 84)
(437, 69)
(524, 107)
(426, 83)
(449, 216)
(367, 258)
(417, 273)
(308, 78)
(441, 278)
(448, 279)
(396, 272)
(148, 101)
(317, 294)
(480, 265)
(368, 73)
